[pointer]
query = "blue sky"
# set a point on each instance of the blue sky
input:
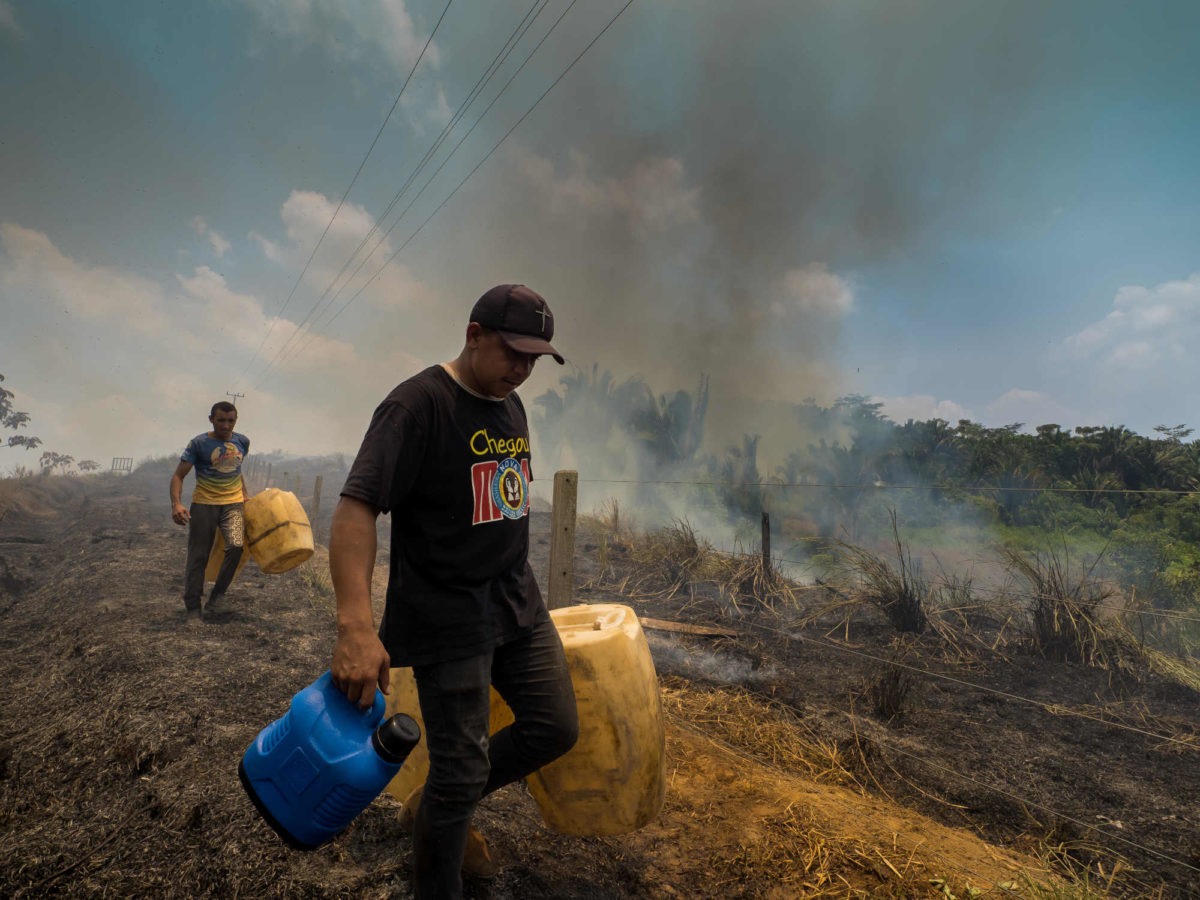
(965, 209)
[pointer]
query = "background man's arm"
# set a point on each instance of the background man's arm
(360, 661)
(246, 494)
(178, 511)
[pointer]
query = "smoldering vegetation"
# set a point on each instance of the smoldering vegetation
(973, 706)
(959, 611)
(917, 515)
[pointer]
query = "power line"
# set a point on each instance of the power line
(787, 711)
(419, 228)
(1049, 707)
(431, 178)
(975, 781)
(481, 83)
(895, 487)
(1053, 709)
(358, 172)
(742, 554)
(1042, 807)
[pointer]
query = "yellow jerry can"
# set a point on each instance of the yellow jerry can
(217, 556)
(277, 531)
(614, 780)
(402, 697)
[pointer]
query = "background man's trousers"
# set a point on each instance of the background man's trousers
(202, 531)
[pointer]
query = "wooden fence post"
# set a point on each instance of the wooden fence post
(316, 508)
(562, 540)
(297, 491)
(268, 484)
(766, 541)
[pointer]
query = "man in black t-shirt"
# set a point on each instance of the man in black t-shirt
(447, 454)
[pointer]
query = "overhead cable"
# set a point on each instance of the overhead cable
(322, 302)
(895, 487)
(428, 218)
(346, 193)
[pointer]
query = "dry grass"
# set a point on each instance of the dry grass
(790, 846)
(1064, 611)
(797, 854)
(888, 692)
(900, 591)
(43, 495)
(769, 732)
(674, 560)
(314, 575)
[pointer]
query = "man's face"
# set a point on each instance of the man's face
(222, 423)
(498, 369)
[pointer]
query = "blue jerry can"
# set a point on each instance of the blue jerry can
(312, 771)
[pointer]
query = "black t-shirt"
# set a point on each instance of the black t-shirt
(453, 470)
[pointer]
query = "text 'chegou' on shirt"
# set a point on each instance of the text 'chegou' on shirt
(500, 487)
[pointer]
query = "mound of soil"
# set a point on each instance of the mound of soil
(120, 733)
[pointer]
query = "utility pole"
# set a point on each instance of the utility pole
(235, 397)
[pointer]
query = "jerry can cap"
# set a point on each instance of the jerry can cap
(394, 739)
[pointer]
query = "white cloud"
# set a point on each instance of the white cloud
(215, 240)
(1147, 327)
(654, 194)
(219, 244)
(1032, 408)
(921, 407)
(271, 250)
(305, 216)
(349, 30)
(8, 20)
(40, 274)
(133, 365)
(1029, 407)
(814, 290)
(441, 113)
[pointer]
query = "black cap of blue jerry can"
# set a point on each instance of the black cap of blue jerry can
(394, 739)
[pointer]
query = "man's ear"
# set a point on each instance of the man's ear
(474, 333)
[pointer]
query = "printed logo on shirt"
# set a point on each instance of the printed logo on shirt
(501, 490)
(226, 458)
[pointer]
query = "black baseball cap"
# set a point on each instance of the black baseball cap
(520, 315)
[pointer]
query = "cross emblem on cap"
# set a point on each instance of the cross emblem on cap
(545, 314)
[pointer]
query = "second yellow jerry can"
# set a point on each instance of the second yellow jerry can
(217, 556)
(614, 780)
(277, 531)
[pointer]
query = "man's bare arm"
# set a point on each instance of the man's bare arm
(246, 494)
(360, 661)
(178, 511)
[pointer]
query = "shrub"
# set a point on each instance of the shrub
(901, 592)
(1064, 611)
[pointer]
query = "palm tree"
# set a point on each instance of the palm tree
(671, 426)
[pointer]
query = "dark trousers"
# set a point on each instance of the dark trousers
(464, 765)
(202, 531)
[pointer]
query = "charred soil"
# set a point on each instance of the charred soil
(121, 730)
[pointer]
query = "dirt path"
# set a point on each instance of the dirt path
(120, 733)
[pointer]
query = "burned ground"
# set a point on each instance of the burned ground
(120, 733)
